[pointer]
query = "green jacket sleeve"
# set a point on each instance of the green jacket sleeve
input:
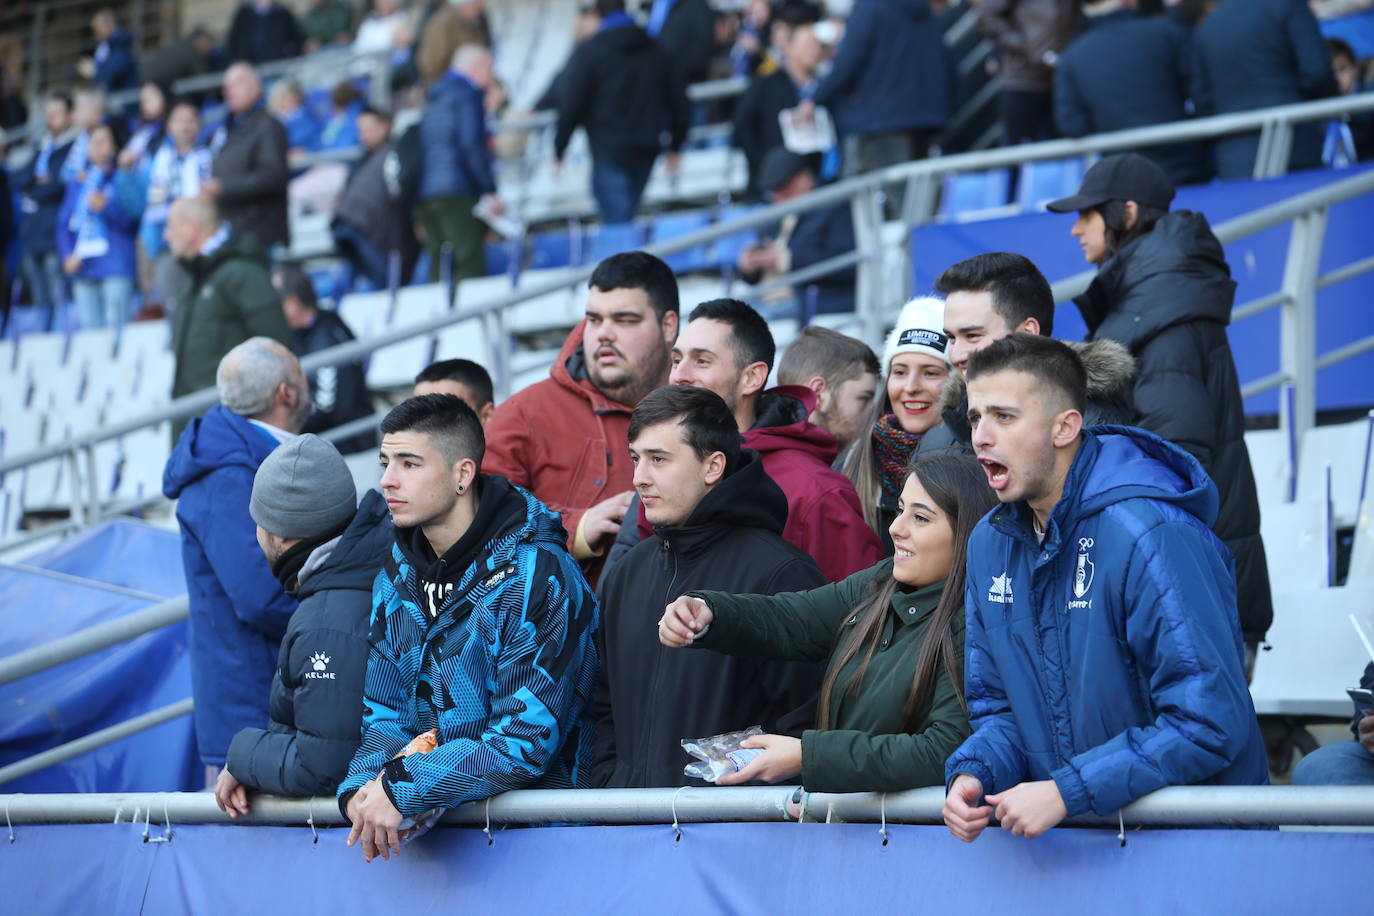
(793, 626)
(839, 760)
(259, 307)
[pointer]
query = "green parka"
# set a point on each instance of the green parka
(861, 749)
(230, 299)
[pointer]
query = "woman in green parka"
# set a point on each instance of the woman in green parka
(891, 705)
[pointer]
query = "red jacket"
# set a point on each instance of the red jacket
(824, 517)
(564, 441)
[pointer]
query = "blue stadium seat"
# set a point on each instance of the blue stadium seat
(551, 249)
(498, 258)
(973, 191)
(614, 238)
(672, 225)
(1042, 182)
(727, 248)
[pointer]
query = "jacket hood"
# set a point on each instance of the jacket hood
(625, 38)
(570, 370)
(748, 498)
(508, 515)
(1110, 367)
(360, 552)
(1117, 463)
(239, 245)
(1193, 282)
(217, 440)
(782, 424)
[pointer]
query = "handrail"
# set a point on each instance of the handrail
(96, 739)
(1177, 806)
(828, 195)
(92, 639)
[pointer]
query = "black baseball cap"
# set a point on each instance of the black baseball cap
(1129, 176)
(779, 167)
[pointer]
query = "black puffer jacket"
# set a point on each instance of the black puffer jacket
(1167, 296)
(652, 697)
(1111, 372)
(252, 171)
(317, 691)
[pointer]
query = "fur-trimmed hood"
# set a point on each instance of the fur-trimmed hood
(1110, 368)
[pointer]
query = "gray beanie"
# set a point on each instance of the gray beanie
(303, 490)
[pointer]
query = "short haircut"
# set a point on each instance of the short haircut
(291, 281)
(1018, 289)
(707, 424)
(447, 420)
(183, 102)
(465, 372)
(797, 12)
(1051, 362)
(62, 96)
(833, 356)
(750, 337)
(638, 270)
(378, 113)
(344, 94)
(249, 375)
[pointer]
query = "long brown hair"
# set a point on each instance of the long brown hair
(860, 466)
(957, 484)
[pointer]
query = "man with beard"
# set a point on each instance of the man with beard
(1103, 651)
(564, 438)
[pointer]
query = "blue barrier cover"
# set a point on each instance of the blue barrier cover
(64, 703)
(736, 868)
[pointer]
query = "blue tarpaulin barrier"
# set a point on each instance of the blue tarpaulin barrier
(105, 573)
(714, 868)
(1257, 263)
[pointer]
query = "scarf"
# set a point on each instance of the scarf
(92, 236)
(892, 450)
(658, 16)
(75, 163)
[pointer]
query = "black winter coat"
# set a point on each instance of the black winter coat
(251, 167)
(338, 393)
(651, 697)
(1256, 54)
(259, 38)
(689, 38)
(317, 690)
(1092, 96)
(41, 200)
(756, 128)
(1167, 297)
(623, 90)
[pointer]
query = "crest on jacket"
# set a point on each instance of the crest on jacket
(1083, 573)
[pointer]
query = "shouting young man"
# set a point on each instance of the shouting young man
(1104, 659)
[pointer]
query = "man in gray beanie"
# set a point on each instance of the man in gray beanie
(325, 551)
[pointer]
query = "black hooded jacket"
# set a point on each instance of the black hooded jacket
(651, 697)
(1167, 297)
(624, 91)
(317, 690)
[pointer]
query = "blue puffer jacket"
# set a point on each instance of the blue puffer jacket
(453, 138)
(238, 611)
(506, 671)
(1109, 658)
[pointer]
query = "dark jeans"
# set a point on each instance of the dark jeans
(449, 219)
(618, 185)
(363, 254)
(1027, 116)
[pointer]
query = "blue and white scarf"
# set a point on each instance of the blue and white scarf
(92, 235)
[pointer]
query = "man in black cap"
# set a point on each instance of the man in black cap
(803, 239)
(326, 551)
(1163, 289)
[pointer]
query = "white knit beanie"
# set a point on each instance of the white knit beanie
(920, 328)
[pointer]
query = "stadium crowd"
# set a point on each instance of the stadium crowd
(1027, 571)
(90, 232)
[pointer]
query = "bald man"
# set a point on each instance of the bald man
(230, 296)
(249, 175)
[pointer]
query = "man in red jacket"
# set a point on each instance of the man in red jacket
(726, 347)
(565, 438)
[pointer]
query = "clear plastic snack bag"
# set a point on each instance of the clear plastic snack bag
(720, 755)
(412, 827)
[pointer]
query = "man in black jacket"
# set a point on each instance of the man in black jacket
(326, 551)
(686, 32)
(718, 521)
(1092, 94)
(41, 189)
(262, 31)
(1163, 290)
(1256, 54)
(339, 393)
(623, 90)
(249, 175)
(990, 296)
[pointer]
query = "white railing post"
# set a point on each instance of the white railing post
(1298, 335)
(866, 208)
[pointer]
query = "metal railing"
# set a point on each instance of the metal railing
(1182, 806)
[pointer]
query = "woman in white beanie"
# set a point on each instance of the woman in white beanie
(915, 367)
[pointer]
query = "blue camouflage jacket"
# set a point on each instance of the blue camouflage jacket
(505, 672)
(1108, 658)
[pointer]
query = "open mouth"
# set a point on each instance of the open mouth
(997, 473)
(916, 407)
(901, 554)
